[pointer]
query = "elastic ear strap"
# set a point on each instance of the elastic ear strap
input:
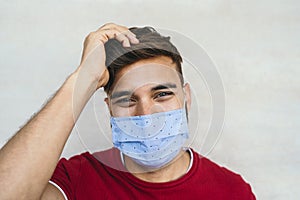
(184, 93)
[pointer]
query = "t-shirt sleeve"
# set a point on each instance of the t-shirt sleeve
(66, 175)
(244, 190)
(241, 190)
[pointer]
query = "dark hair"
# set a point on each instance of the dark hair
(151, 44)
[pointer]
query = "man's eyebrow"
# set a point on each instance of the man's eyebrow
(120, 94)
(158, 87)
(164, 86)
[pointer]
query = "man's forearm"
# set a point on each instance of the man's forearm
(28, 160)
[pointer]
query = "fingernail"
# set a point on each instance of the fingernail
(135, 40)
(126, 44)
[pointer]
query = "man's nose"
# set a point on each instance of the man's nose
(146, 107)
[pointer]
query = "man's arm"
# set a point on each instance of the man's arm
(28, 160)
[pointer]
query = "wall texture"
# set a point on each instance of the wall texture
(255, 45)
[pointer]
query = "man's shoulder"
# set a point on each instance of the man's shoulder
(109, 157)
(220, 175)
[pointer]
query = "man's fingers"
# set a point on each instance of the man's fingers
(131, 36)
(120, 33)
(123, 39)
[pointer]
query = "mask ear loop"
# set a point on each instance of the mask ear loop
(185, 104)
(184, 94)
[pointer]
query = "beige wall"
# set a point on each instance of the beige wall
(255, 45)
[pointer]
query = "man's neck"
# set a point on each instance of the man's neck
(178, 167)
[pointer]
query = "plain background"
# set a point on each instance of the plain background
(255, 45)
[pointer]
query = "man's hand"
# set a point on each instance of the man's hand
(93, 56)
(28, 160)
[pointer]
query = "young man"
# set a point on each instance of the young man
(140, 71)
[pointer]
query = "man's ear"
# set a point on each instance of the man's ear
(106, 101)
(188, 96)
(108, 105)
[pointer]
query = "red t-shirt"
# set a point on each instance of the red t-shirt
(84, 177)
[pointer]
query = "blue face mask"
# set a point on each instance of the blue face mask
(152, 140)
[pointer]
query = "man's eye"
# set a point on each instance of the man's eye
(124, 102)
(163, 94)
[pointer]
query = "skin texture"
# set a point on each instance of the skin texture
(29, 158)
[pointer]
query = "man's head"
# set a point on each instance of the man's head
(147, 98)
(151, 45)
(151, 67)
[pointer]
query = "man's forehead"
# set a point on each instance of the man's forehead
(149, 73)
(160, 63)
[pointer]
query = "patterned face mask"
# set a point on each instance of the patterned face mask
(151, 140)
